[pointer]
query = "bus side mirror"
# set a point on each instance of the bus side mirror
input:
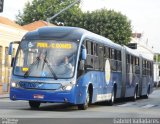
(10, 50)
(12, 61)
(84, 53)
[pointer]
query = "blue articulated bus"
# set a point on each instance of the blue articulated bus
(72, 65)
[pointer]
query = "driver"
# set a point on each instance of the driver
(66, 68)
(67, 65)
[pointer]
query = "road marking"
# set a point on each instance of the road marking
(126, 104)
(148, 106)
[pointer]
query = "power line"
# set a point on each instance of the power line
(69, 6)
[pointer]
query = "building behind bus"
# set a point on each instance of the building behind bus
(10, 31)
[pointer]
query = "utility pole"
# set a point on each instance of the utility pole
(69, 6)
(1, 5)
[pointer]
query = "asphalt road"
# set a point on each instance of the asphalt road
(142, 108)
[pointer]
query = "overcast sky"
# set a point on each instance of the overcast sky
(144, 14)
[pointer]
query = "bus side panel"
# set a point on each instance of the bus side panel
(83, 84)
(116, 79)
(101, 89)
(146, 82)
(151, 84)
(131, 82)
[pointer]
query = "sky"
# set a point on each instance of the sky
(143, 14)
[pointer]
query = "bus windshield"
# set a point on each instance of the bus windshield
(50, 59)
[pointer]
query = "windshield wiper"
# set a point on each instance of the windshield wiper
(49, 66)
(30, 67)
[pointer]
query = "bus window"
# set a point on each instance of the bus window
(137, 68)
(119, 55)
(128, 63)
(96, 63)
(88, 47)
(151, 70)
(144, 67)
(119, 63)
(132, 60)
(107, 52)
(101, 56)
(137, 61)
(128, 58)
(92, 48)
(20, 59)
(112, 54)
(115, 55)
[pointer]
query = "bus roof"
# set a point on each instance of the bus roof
(74, 33)
(132, 51)
(67, 33)
(146, 57)
(103, 40)
(53, 32)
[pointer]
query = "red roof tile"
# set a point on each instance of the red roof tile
(6, 21)
(36, 24)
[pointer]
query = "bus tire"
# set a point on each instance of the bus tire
(84, 106)
(34, 104)
(111, 101)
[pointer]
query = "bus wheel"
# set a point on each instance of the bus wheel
(85, 105)
(34, 104)
(111, 101)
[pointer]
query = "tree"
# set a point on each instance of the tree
(157, 58)
(107, 23)
(42, 9)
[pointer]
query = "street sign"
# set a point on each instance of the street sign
(1, 5)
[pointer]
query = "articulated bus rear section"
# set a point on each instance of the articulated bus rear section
(137, 74)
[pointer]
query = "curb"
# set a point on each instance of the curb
(3, 96)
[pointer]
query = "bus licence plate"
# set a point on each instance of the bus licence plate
(38, 96)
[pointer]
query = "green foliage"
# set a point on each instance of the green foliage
(157, 58)
(42, 9)
(107, 23)
(110, 24)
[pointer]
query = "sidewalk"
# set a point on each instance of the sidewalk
(2, 96)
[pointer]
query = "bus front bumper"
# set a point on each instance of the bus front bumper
(42, 95)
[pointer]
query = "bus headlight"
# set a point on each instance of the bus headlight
(13, 84)
(67, 87)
